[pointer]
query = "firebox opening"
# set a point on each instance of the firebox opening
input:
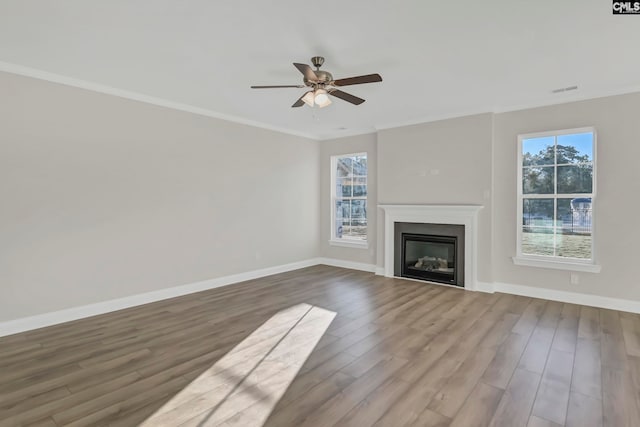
(430, 252)
(429, 257)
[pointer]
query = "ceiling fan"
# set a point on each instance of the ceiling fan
(322, 84)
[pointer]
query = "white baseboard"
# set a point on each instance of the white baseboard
(485, 287)
(39, 321)
(630, 306)
(370, 268)
(590, 300)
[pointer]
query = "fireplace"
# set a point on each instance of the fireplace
(429, 257)
(430, 252)
(463, 216)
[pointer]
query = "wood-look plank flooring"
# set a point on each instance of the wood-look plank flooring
(395, 353)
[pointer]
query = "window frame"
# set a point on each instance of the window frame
(345, 241)
(547, 261)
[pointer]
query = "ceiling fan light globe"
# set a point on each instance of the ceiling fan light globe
(321, 98)
(324, 103)
(308, 98)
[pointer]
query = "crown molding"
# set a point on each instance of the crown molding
(558, 99)
(347, 133)
(568, 99)
(561, 99)
(135, 96)
(430, 119)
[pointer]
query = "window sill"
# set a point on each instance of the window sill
(557, 265)
(350, 244)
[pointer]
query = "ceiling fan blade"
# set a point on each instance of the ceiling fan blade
(307, 71)
(369, 78)
(273, 87)
(346, 96)
(299, 102)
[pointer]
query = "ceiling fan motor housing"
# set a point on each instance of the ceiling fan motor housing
(323, 77)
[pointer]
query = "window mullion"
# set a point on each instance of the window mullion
(533, 209)
(537, 196)
(555, 195)
(344, 178)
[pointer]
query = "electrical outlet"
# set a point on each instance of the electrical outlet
(575, 278)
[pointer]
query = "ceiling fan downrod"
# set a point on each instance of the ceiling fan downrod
(317, 61)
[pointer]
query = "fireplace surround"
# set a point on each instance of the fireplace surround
(464, 215)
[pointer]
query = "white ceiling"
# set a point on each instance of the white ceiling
(438, 59)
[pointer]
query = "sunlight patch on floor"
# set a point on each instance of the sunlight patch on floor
(243, 387)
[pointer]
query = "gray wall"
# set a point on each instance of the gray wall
(472, 160)
(348, 145)
(617, 205)
(443, 162)
(102, 197)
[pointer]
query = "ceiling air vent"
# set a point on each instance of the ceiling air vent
(564, 89)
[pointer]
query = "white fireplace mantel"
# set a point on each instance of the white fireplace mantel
(466, 215)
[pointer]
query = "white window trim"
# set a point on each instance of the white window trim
(350, 243)
(345, 241)
(553, 262)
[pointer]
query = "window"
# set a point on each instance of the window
(556, 197)
(349, 200)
